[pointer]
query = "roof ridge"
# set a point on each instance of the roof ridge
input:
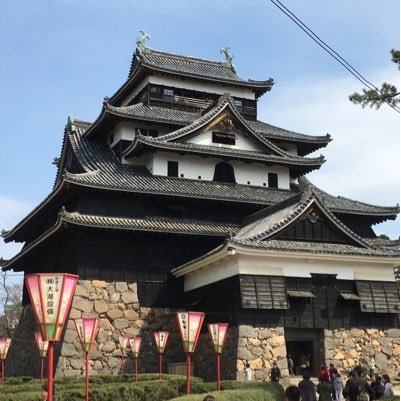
(150, 141)
(64, 212)
(321, 191)
(148, 50)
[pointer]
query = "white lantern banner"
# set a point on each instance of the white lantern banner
(161, 338)
(190, 324)
(42, 344)
(51, 295)
(218, 333)
(4, 347)
(135, 344)
(87, 328)
(123, 340)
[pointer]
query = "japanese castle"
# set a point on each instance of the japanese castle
(178, 198)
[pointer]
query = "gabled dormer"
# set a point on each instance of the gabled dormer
(235, 152)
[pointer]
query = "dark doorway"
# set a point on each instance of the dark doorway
(304, 346)
(224, 172)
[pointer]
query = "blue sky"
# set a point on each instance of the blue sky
(62, 57)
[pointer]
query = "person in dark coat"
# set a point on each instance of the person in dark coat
(307, 388)
(292, 393)
(324, 389)
(377, 386)
(275, 373)
(354, 386)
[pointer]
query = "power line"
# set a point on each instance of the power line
(332, 52)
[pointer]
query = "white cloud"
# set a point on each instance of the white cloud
(363, 158)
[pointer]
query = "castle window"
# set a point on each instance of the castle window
(273, 180)
(168, 92)
(224, 172)
(238, 103)
(223, 137)
(172, 169)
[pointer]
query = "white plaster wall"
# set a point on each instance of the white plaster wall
(289, 147)
(242, 141)
(194, 166)
(288, 267)
(123, 130)
(212, 273)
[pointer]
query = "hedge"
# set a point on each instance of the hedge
(148, 388)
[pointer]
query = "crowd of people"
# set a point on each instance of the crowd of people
(358, 387)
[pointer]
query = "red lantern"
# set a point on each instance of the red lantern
(51, 296)
(161, 338)
(124, 341)
(218, 333)
(4, 347)
(190, 324)
(43, 346)
(87, 328)
(135, 344)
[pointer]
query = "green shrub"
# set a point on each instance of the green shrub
(232, 395)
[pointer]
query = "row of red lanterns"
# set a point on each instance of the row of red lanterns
(51, 296)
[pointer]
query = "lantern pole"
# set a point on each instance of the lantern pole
(218, 372)
(190, 324)
(136, 369)
(87, 376)
(42, 367)
(4, 347)
(188, 372)
(218, 333)
(42, 345)
(161, 338)
(50, 370)
(86, 329)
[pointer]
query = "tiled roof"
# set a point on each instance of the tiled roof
(188, 147)
(158, 224)
(270, 221)
(108, 172)
(162, 224)
(178, 117)
(193, 67)
(273, 132)
(316, 247)
(341, 204)
(153, 113)
(286, 246)
(104, 170)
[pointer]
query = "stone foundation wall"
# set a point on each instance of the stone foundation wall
(348, 348)
(260, 347)
(119, 312)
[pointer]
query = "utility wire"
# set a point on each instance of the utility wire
(332, 52)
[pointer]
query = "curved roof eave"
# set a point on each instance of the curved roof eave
(10, 235)
(220, 152)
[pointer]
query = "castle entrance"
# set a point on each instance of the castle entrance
(304, 347)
